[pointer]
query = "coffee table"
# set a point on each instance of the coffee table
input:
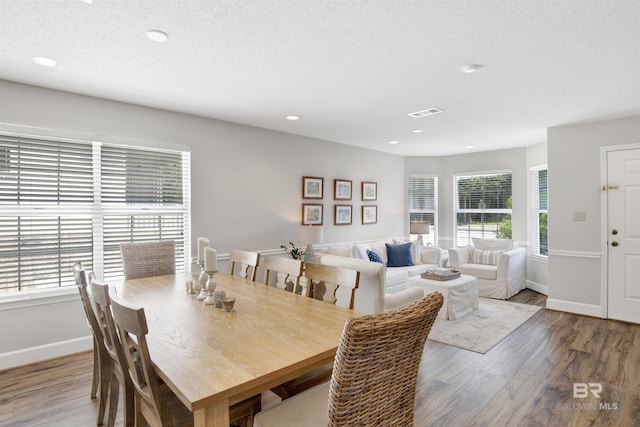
(460, 295)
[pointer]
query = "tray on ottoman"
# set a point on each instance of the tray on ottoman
(441, 274)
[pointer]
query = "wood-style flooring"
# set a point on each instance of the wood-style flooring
(526, 380)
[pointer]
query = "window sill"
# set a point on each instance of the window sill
(539, 258)
(25, 299)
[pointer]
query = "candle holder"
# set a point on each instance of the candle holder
(210, 287)
(202, 283)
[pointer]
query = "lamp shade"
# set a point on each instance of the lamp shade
(310, 234)
(419, 227)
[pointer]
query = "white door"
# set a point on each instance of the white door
(623, 214)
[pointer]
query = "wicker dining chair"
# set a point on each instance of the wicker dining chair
(244, 264)
(334, 285)
(100, 358)
(375, 373)
(118, 375)
(292, 269)
(147, 259)
(154, 401)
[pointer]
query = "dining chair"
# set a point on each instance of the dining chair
(375, 373)
(147, 259)
(334, 285)
(100, 357)
(154, 401)
(244, 264)
(118, 376)
(292, 269)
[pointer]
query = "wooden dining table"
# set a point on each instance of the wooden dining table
(211, 359)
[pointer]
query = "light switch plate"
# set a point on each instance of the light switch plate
(580, 216)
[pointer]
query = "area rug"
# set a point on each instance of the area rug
(483, 328)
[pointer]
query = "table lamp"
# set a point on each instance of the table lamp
(310, 234)
(419, 228)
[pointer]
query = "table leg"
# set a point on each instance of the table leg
(214, 415)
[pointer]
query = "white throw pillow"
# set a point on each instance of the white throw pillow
(345, 249)
(485, 257)
(380, 248)
(493, 244)
(360, 251)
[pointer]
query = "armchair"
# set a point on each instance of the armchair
(498, 266)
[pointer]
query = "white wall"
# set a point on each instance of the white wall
(246, 186)
(574, 185)
(447, 166)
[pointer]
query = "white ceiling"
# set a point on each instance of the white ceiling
(352, 70)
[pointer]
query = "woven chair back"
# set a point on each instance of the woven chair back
(376, 365)
(147, 259)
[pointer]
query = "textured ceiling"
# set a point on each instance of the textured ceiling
(352, 70)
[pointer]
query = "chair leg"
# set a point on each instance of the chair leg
(114, 394)
(96, 371)
(129, 404)
(105, 377)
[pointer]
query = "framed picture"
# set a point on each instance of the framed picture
(342, 215)
(341, 189)
(312, 187)
(311, 214)
(369, 214)
(369, 191)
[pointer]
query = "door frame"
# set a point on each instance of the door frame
(604, 220)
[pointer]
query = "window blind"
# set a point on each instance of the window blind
(483, 206)
(539, 210)
(66, 201)
(423, 203)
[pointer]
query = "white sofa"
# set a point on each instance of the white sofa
(496, 263)
(423, 257)
(371, 296)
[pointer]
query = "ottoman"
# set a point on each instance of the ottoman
(460, 295)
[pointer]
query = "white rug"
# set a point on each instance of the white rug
(483, 328)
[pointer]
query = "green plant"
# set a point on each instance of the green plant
(293, 251)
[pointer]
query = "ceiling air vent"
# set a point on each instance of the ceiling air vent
(428, 112)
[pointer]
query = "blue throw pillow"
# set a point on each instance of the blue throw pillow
(399, 255)
(374, 257)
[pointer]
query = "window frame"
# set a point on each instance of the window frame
(433, 228)
(97, 211)
(535, 210)
(457, 210)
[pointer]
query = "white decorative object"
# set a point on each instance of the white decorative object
(310, 234)
(210, 287)
(203, 242)
(210, 259)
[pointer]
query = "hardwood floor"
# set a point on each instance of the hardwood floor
(526, 380)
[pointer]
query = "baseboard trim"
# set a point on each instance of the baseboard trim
(575, 307)
(543, 289)
(43, 352)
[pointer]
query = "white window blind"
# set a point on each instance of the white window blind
(423, 204)
(483, 206)
(66, 201)
(539, 210)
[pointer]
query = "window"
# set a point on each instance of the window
(539, 210)
(423, 204)
(483, 206)
(65, 201)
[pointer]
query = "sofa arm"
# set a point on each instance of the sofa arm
(511, 264)
(459, 256)
(404, 297)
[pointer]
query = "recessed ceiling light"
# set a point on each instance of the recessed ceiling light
(292, 117)
(87, 1)
(157, 35)
(471, 68)
(46, 62)
(469, 147)
(394, 142)
(417, 131)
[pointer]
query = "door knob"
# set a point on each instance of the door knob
(614, 243)
(614, 231)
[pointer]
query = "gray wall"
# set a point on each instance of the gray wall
(246, 190)
(574, 185)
